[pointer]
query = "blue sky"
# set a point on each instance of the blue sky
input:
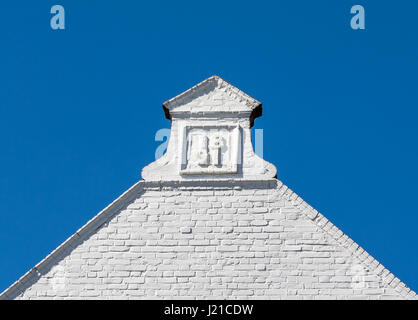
(79, 109)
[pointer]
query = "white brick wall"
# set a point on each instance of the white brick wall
(252, 240)
(228, 230)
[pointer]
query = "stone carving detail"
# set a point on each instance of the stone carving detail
(198, 155)
(215, 146)
(210, 149)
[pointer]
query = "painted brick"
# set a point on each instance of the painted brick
(168, 261)
(169, 237)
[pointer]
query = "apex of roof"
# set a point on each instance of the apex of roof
(213, 95)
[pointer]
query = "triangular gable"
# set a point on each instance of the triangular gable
(213, 94)
(277, 193)
(209, 220)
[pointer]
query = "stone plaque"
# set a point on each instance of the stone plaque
(210, 149)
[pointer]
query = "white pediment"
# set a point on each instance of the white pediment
(213, 95)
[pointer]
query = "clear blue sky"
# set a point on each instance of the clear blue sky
(79, 109)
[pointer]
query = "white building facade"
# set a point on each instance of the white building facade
(209, 220)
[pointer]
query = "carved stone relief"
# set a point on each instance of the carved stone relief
(210, 149)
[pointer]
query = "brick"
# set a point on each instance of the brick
(250, 243)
